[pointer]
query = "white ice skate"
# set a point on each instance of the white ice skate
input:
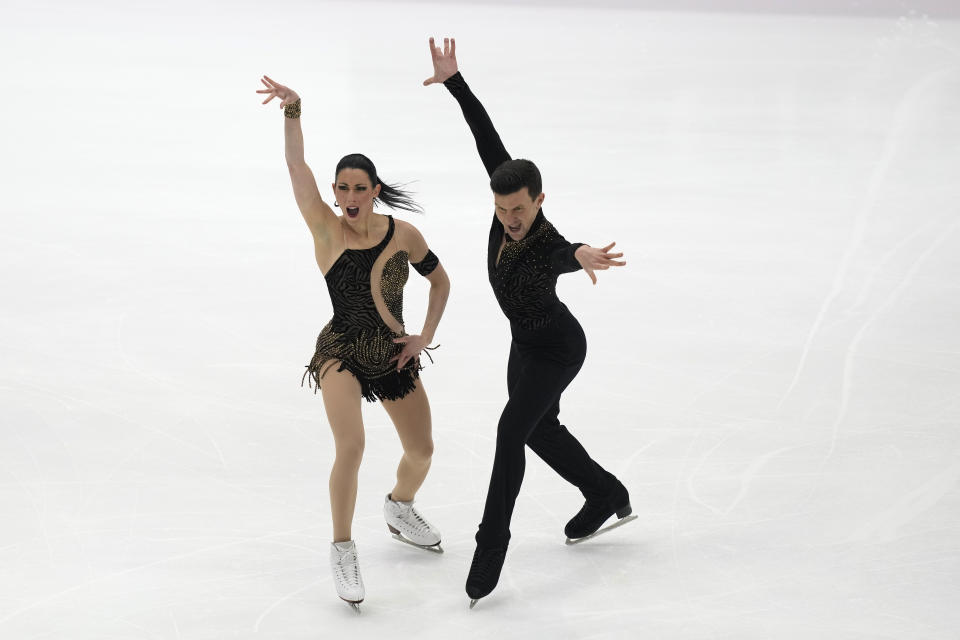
(407, 525)
(346, 573)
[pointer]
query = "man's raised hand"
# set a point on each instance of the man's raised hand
(444, 62)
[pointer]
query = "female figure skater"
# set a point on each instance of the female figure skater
(525, 254)
(364, 350)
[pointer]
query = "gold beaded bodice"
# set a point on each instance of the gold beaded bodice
(394, 277)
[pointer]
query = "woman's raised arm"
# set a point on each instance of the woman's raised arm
(319, 217)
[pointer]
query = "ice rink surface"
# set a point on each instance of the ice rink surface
(775, 375)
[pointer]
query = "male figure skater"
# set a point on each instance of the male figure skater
(525, 255)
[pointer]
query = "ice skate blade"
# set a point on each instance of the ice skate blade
(434, 548)
(473, 602)
(620, 522)
(353, 605)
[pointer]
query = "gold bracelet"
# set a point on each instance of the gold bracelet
(292, 110)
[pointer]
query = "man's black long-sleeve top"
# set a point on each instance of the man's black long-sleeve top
(524, 280)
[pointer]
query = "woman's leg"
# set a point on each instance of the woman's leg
(341, 400)
(411, 417)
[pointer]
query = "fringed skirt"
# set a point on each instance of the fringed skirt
(365, 354)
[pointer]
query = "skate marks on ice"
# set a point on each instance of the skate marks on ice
(905, 114)
(277, 603)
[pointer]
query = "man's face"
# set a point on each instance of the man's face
(516, 211)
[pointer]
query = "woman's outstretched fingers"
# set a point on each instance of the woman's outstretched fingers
(271, 88)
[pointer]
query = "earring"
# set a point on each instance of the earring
(336, 204)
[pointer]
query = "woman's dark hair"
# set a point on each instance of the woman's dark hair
(513, 175)
(393, 197)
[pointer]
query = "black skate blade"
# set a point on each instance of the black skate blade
(434, 548)
(618, 523)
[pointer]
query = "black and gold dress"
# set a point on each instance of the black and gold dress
(366, 290)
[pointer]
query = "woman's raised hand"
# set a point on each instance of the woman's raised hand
(277, 90)
(444, 62)
(592, 259)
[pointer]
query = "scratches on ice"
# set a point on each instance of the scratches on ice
(908, 111)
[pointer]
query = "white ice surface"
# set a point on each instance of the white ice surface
(775, 375)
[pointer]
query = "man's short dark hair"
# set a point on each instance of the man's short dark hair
(513, 175)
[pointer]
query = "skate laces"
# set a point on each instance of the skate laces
(348, 567)
(411, 517)
(421, 523)
(356, 575)
(350, 578)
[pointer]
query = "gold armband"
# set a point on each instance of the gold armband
(292, 110)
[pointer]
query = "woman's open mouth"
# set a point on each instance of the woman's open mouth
(353, 212)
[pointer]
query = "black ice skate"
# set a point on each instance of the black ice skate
(586, 524)
(484, 573)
